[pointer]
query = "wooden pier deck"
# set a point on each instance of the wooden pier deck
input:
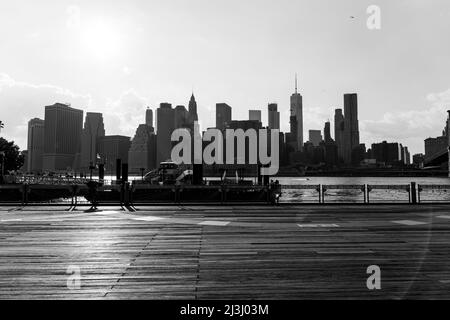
(223, 252)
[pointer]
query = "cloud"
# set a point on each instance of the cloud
(22, 101)
(410, 128)
(122, 116)
(73, 21)
(126, 70)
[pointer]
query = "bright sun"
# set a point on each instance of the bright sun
(101, 40)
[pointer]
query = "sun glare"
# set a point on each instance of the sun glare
(101, 40)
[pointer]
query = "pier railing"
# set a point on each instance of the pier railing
(141, 194)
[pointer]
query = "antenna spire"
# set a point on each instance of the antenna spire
(295, 83)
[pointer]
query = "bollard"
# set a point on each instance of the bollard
(126, 194)
(24, 194)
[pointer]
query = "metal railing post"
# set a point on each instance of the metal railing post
(365, 193)
(419, 189)
(413, 196)
(321, 194)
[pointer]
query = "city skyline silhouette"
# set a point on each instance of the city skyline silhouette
(110, 58)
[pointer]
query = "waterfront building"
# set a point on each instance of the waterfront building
(62, 137)
(351, 126)
(315, 137)
(35, 146)
(434, 146)
(327, 133)
(149, 117)
(339, 133)
(94, 129)
(274, 116)
(254, 115)
(418, 160)
(297, 117)
(181, 117)
(142, 153)
(387, 154)
(165, 118)
(193, 115)
(223, 115)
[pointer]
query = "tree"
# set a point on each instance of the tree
(10, 155)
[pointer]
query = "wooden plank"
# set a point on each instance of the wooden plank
(260, 253)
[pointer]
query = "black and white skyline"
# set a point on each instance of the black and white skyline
(120, 58)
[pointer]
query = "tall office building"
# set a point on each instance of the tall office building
(406, 156)
(315, 137)
(254, 115)
(149, 117)
(62, 137)
(35, 145)
(327, 133)
(192, 108)
(297, 113)
(142, 153)
(112, 148)
(386, 153)
(339, 133)
(223, 115)
(274, 116)
(182, 118)
(434, 146)
(93, 130)
(165, 121)
(351, 126)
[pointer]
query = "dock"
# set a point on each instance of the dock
(225, 252)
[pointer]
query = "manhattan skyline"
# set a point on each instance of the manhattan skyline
(118, 59)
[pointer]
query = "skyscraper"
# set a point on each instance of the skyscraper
(62, 137)
(93, 130)
(339, 133)
(297, 113)
(223, 115)
(149, 117)
(182, 117)
(165, 118)
(327, 133)
(254, 115)
(315, 137)
(142, 153)
(351, 126)
(193, 116)
(386, 153)
(274, 116)
(35, 145)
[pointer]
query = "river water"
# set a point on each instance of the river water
(356, 195)
(376, 195)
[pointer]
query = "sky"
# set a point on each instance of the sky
(118, 57)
